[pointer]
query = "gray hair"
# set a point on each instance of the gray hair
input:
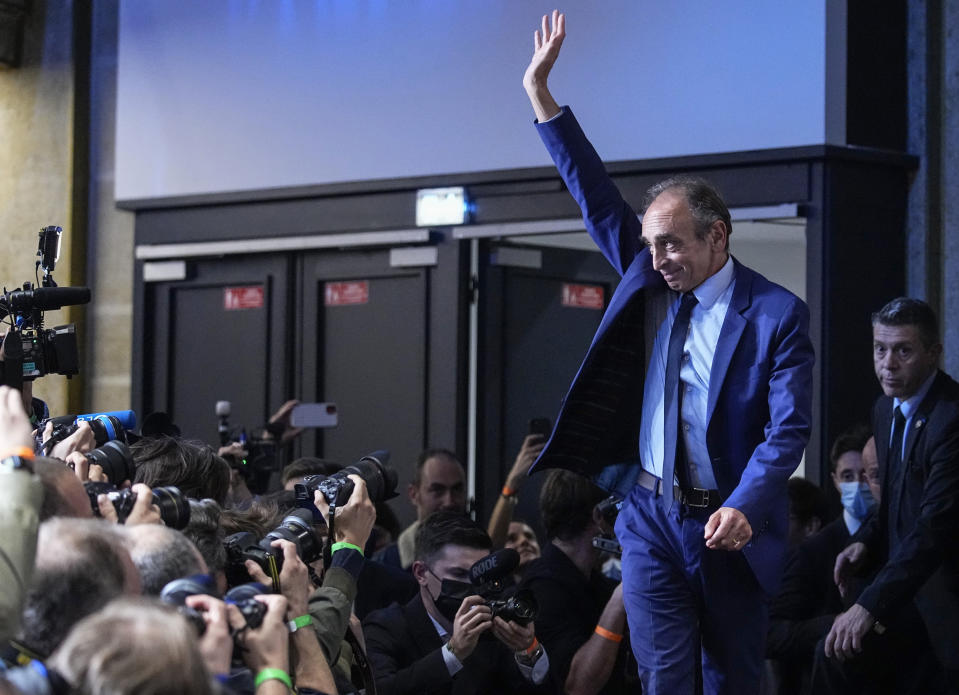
(705, 202)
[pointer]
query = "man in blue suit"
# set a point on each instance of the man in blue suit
(702, 448)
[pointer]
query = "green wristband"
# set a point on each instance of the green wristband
(299, 622)
(344, 544)
(269, 674)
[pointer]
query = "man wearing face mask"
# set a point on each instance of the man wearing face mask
(445, 640)
(809, 600)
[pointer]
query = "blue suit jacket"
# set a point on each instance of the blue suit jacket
(759, 405)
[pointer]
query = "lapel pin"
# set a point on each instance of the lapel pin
(918, 424)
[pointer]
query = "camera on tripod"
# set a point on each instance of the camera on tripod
(31, 351)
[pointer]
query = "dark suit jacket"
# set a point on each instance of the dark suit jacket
(405, 652)
(808, 600)
(569, 608)
(760, 397)
(920, 560)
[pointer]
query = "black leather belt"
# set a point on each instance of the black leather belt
(694, 497)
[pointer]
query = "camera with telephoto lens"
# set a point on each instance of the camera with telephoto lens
(173, 504)
(29, 350)
(116, 460)
(115, 425)
(493, 579)
(296, 527)
(373, 468)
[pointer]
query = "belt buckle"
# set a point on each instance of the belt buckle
(702, 497)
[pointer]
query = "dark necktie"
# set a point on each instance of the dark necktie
(895, 447)
(672, 447)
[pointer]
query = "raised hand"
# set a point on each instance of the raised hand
(547, 42)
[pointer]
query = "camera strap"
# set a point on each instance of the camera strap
(330, 537)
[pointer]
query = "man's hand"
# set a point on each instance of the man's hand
(727, 529)
(472, 620)
(848, 563)
(533, 444)
(844, 640)
(294, 579)
(354, 520)
(143, 512)
(268, 645)
(282, 417)
(85, 470)
(546, 45)
(14, 425)
(234, 450)
(216, 644)
(83, 440)
(515, 636)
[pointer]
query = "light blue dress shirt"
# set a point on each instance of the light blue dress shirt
(909, 407)
(705, 324)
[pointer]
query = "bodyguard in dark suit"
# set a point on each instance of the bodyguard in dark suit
(445, 639)
(704, 524)
(913, 537)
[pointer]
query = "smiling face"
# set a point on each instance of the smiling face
(901, 360)
(681, 256)
(522, 539)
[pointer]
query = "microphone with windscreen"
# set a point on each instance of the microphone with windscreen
(493, 578)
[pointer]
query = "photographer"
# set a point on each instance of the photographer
(20, 499)
(433, 643)
(327, 608)
(582, 618)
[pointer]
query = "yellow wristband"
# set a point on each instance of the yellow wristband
(608, 634)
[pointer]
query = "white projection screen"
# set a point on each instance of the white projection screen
(236, 95)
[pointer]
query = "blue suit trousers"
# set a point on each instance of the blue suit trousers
(697, 617)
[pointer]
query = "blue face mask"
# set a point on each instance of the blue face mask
(857, 499)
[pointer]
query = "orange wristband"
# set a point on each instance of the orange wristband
(532, 647)
(508, 492)
(608, 634)
(23, 452)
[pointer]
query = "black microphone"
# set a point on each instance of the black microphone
(47, 298)
(494, 567)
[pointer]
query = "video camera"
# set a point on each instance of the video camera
(29, 350)
(261, 460)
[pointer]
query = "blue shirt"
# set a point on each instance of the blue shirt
(705, 323)
(908, 408)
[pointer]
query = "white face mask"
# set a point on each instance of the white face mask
(857, 499)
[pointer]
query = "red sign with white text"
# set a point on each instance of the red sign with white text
(243, 298)
(584, 296)
(345, 293)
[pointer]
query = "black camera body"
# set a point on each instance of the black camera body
(173, 504)
(373, 468)
(296, 527)
(493, 578)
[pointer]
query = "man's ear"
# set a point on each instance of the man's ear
(419, 572)
(413, 492)
(718, 235)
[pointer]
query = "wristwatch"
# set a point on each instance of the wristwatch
(529, 658)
